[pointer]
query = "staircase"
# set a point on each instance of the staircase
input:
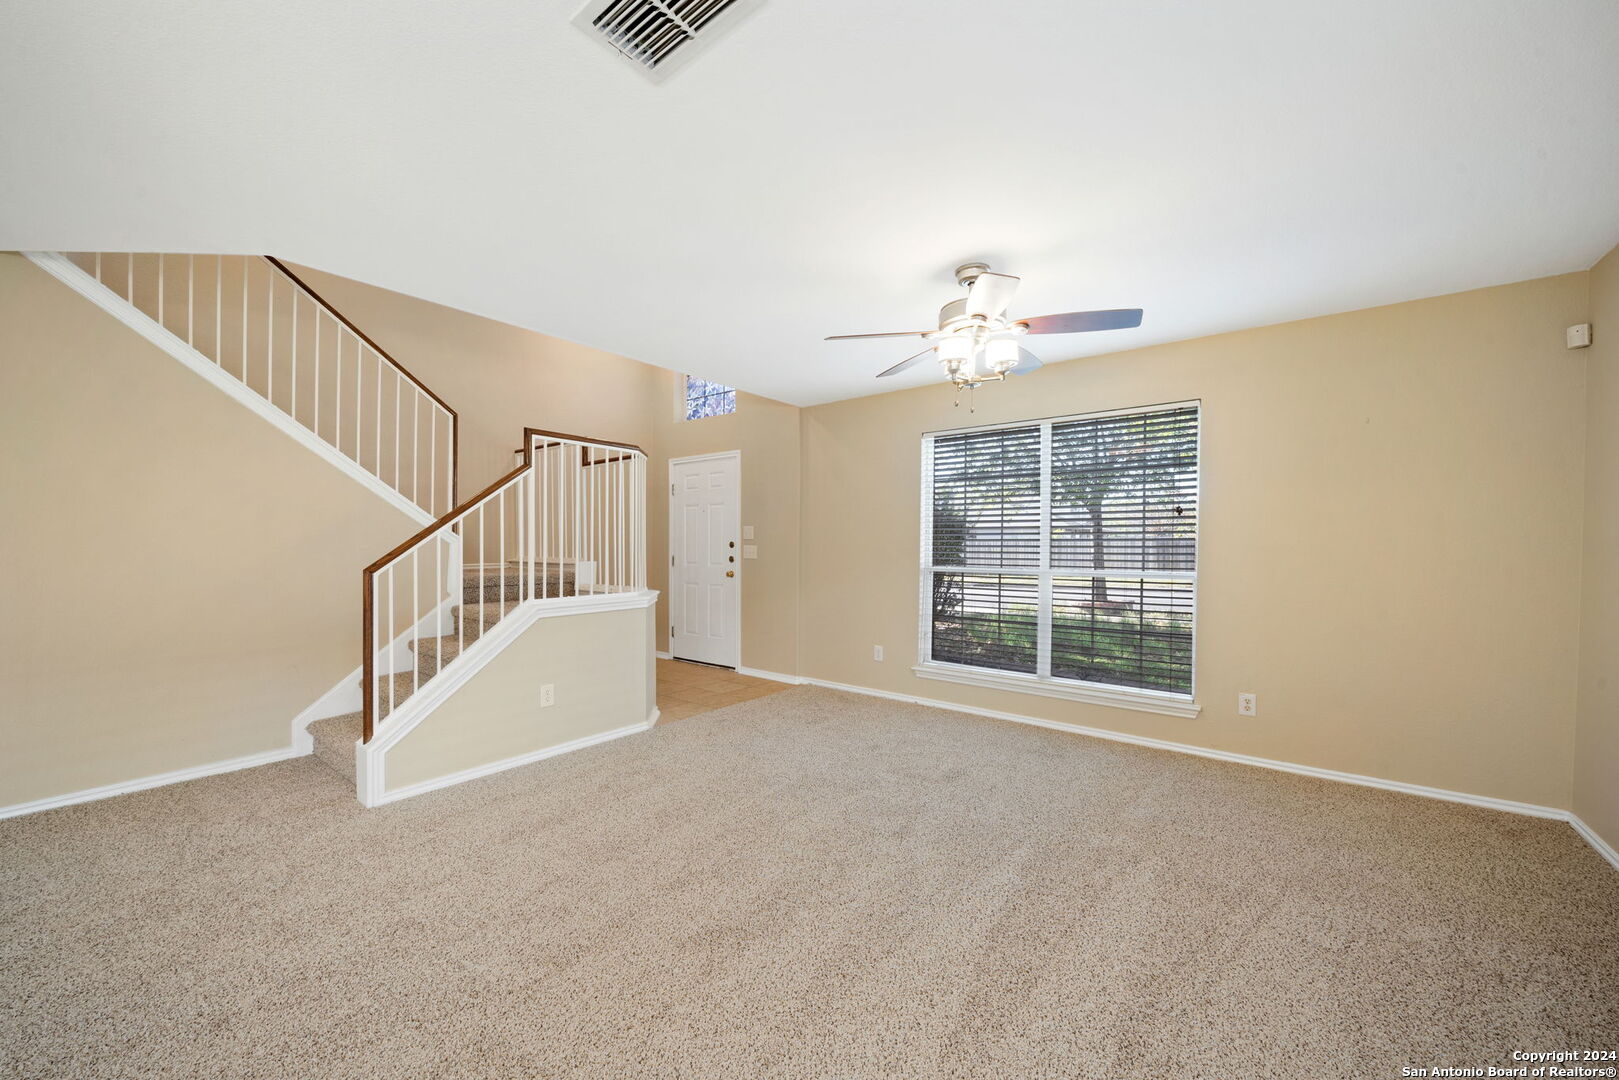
(562, 534)
(488, 594)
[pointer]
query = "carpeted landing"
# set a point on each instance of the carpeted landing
(812, 884)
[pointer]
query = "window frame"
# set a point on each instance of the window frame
(1041, 682)
(683, 398)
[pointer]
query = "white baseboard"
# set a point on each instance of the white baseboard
(124, 787)
(1601, 846)
(512, 762)
(773, 676)
(661, 655)
(1488, 801)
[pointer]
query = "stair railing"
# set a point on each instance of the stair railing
(259, 322)
(568, 523)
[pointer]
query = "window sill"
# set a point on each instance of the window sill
(1092, 694)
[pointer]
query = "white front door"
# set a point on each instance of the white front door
(705, 557)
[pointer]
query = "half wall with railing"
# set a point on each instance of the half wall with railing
(566, 526)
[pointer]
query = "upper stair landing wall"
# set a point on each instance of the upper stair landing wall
(181, 578)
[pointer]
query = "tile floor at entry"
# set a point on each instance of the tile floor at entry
(688, 689)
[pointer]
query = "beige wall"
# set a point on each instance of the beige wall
(501, 378)
(767, 433)
(596, 662)
(178, 578)
(1596, 743)
(1390, 548)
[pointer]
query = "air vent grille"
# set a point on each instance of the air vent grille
(656, 35)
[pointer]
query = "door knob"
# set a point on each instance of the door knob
(730, 573)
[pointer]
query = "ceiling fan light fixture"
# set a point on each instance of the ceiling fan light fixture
(1001, 354)
(978, 342)
(956, 353)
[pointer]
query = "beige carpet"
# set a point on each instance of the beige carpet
(811, 884)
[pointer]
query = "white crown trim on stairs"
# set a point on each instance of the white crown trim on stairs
(370, 758)
(62, 268)
(126, 787)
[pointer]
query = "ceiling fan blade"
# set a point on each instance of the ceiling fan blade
(890, 333)
(1027, 362)
(990, 293)
(1077, 322)
(904, 365)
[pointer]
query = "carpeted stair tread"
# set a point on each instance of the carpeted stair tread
(482, 585)
(334, 739)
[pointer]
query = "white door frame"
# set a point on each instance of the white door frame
(736, 594)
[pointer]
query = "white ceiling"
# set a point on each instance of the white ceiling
(824, 166)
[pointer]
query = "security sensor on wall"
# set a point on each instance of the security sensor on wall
(1579, 337)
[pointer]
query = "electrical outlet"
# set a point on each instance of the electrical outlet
(1247, 704)
(876, 652)
(548, 695)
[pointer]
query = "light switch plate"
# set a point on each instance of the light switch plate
(750, 551)
(747, 532)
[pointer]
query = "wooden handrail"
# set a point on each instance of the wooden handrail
(447, 519)
(529, 433)
(455, 417)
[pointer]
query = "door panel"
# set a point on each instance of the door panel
(706, 571)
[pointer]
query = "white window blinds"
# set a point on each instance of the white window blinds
(1065, 550)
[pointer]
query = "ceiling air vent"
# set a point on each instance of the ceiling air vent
(660, 36)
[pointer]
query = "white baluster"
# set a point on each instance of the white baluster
(399, 394)
(269, 339)
(295, 294)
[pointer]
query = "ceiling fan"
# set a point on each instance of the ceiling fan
(977, 343)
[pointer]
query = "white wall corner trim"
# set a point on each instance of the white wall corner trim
(512, 762)
(125, 787)
(62, 268)
(1488, 801)
(1123, 698)
(1601, 846)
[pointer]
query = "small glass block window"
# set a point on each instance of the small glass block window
(704, 398)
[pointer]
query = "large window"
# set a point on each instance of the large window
(1060, 556)
(704, 398)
